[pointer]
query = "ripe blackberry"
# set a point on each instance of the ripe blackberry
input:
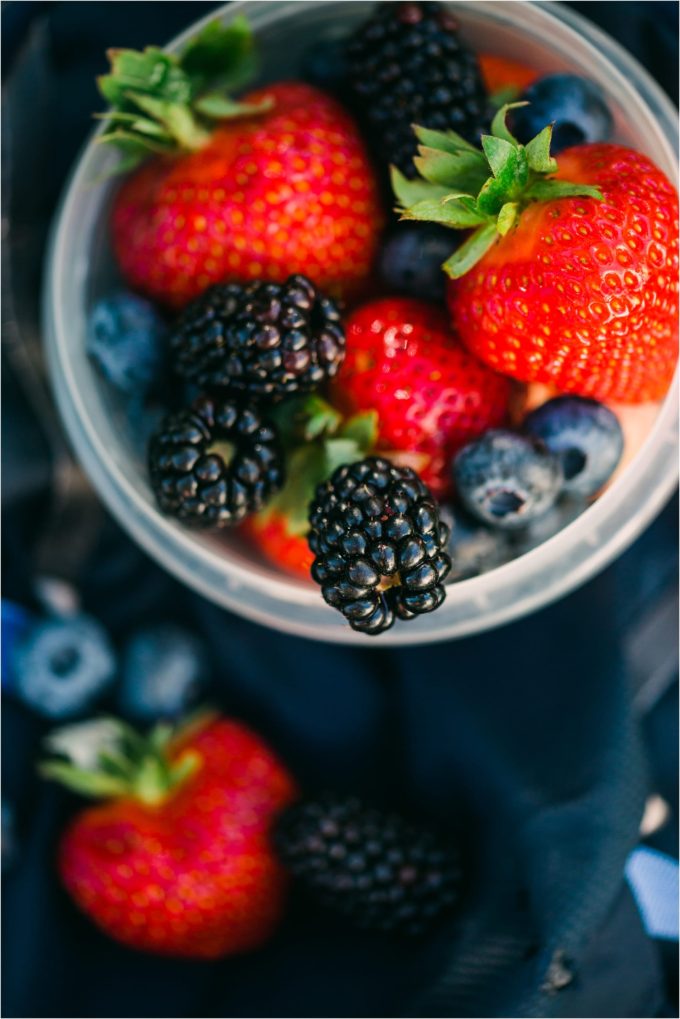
(407, 65)
(374, 868)
(379, 544)
(261, 340)
(214, 463)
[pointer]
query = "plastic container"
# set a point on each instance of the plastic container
(548, 36)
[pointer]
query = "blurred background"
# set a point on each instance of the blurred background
(549, 745)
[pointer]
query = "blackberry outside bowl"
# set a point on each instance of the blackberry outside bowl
(81, 269)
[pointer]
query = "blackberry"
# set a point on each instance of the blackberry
(215, 462)
(263, 340)
(407, 65)
(376, 869)
(380, 546)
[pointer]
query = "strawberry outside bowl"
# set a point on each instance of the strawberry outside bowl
(80, 269)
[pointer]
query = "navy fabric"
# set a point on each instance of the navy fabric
(523, 742)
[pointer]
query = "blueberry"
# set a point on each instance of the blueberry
(126, 340)
(564, 512)
(325, 65)
(506, 480)
(410, 262)
(63, 666)
(575, 106)
(585, 435)
(16, 622)
(164, 671)
(474, 548)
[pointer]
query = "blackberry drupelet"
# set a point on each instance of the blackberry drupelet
(407, 65)
(376, 869)
(262, 340)
(380, 546)
(215, 462)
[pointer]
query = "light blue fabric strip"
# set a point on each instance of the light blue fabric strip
(653, 880)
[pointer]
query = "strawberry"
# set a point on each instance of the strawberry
(271, 533)
(431, 396)
(570, 276)
(317, 440)
(500, 74)
(275, 184)
(178, 861)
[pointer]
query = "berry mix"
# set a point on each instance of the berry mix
(380, 326)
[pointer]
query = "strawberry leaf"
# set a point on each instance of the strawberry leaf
(456, 213)
(362, 429)
(221, 107)
(507, 218)
(408, 192)
(499, 127)
(470, 251)
(216, 48)
(94, 784)
(549, 190)
(465, 169)
(538, 152)
(445, 141)
(338, 452)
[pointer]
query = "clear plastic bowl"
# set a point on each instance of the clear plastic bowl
(80, 269)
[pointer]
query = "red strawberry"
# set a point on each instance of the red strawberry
(281, 185)
(283, 547)
(178, 861)
(499, 73)
(430, 394)
(570, 277)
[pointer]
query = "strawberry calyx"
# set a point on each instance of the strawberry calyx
(317, 440)
(162, 103)
(108, 759)
(455, 189)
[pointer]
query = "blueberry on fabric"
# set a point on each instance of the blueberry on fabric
(126, 340)
(506, 480)
(64, 666)
(585, 435)
(411, 258)
(16, 622)
(164, 671)
(574, 106)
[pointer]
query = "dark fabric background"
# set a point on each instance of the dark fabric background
(526, 741)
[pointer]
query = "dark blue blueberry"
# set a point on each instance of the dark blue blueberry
(410, 262)
(164, 671)
(506, 480)
(325, 65)
(585, 435)
(575, 106)
(474, 548)
(126, 340)
(16, 622)
(63, 666)
(564, 512)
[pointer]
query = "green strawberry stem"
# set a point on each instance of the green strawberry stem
(455, 189)
(125, 764)
(318, 440)
(162, 103)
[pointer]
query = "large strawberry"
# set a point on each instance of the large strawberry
(570, 275)
(275, 184)
(431, 396)
(178, 860)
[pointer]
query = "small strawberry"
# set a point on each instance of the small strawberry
(287, 549)
(317, 441)
(430, 394)
(274, 184)
(500, 74)
(178, 860)
(569, 277)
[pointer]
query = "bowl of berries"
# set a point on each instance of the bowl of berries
(363, 318)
